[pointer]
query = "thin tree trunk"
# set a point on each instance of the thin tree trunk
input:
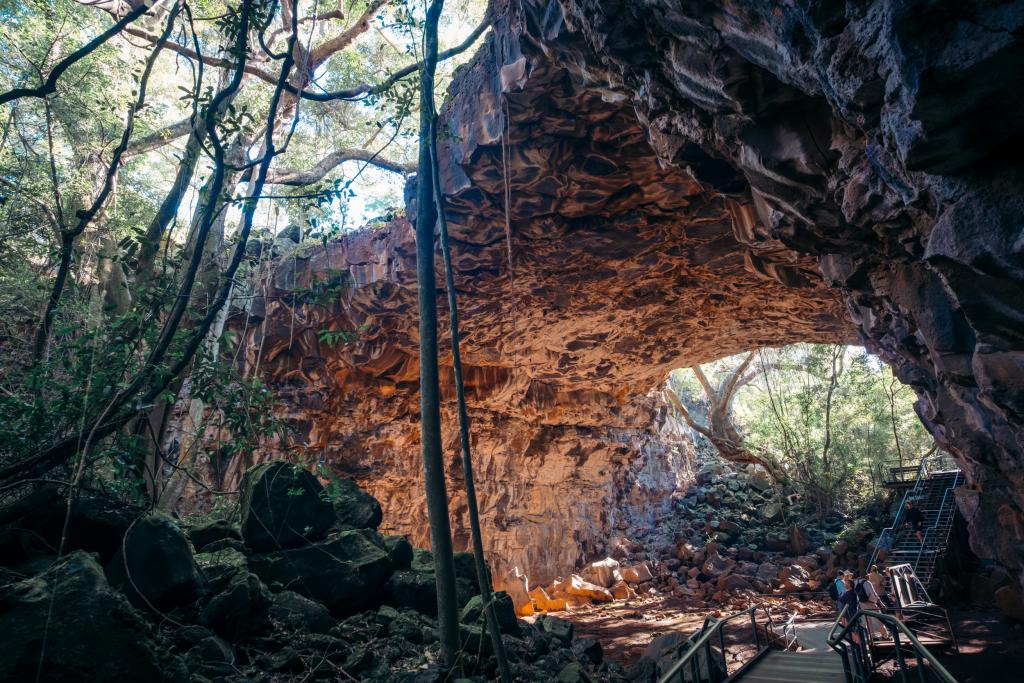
(491, 617)
(430, 406)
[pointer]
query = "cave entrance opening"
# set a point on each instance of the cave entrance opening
(825, 420)
(780, 455)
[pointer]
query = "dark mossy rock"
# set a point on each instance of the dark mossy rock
(466, 584)
(283, 507)
(190, 634)
(561, 629)
(588, 649)
(505, 612)
(431, 674)
(96, 525)
(414, 590)
(354, 507)
(218, 530)
(92, 632)
(242, 609)
(573, 673)
(218, 567)
(226, 544)
(211, 657)
(299, 613)
(422, 560)
(155, 566)
(346, 573)
(399, 550)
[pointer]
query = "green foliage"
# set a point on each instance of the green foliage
(831, 450)
(117, 310)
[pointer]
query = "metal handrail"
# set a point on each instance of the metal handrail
(922, 476)
(938, 518)
(896, 627)
(703, 643)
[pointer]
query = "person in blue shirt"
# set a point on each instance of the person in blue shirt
(838, 588)
(850, 601)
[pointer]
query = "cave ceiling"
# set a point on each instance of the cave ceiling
(634, 187)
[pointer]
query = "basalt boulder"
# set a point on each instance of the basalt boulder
(354, 507)
(283, 506)
(90, 631)
(203, 535)
(473, 612)
(155, 566)
(95, 524)
(297, 612)
(346, 573)
(241, 609)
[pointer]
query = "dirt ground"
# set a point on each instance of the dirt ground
(991, 647)
(624, 629)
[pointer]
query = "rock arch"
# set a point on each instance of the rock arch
(684, 184)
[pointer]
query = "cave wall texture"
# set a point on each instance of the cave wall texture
(684, 180)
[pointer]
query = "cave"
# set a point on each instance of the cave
(630, 188)
(637, 188)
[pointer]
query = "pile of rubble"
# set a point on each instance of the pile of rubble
(732, 535)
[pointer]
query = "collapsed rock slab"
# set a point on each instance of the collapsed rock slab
(603, 573)
(541, 601)
(241, 610)
(637, 573)
(584, 589)
(283, 507)
(346, 573)
(354, 507)
(92, 633)
(155, 567)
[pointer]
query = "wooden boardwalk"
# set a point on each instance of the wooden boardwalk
(815, 663)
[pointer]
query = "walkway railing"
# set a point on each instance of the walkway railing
(937, 534)
(699, 663)
(929, 465)
(859, 663)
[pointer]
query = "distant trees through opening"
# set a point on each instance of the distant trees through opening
(823, 418)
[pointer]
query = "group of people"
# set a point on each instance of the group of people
(855, 594)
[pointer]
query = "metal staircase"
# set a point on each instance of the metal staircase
(932, 492)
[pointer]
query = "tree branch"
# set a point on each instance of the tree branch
(365, 89)
(321, 53)
(50, 84)
(709, 391)
(728, 387)
(160, 138)
(321, 168)
(47, 211)
(681, 409)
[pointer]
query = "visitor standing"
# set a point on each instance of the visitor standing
(914, 518)
(869, 598)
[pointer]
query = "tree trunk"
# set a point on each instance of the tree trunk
(430, 406)
(483, 580)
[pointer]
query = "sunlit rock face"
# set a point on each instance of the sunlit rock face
(608, 269)
(881, 137)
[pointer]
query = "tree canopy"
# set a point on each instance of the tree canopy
(825, 416)
(149, 152)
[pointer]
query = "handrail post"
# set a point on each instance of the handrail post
(899, 653)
